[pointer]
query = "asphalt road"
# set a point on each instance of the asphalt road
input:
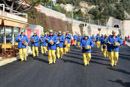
(68, 72)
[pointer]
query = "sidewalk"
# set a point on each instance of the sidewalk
(6, 61)
(128, 43)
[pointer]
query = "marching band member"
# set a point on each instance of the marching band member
(65, 44)
(43, 44)
(60, 44)
(93, 38)
(68, 37)
(75, 40)
(78, 40)
(34, 44)
(105, 52)
(23, 41)
(114, 42)
(101, 41)
(86, 45)
(98, 41)
(51, 40)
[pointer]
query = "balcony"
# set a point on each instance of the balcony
(15, 15)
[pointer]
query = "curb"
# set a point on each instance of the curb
(7, 61)
(128, 44)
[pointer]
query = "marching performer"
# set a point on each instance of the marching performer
(98, 40)
(114, 42)
(68, 37)
(43, 44)
(105, 52)
(86, 45)
(93, 38)
(34, 44)
(101, 41)
(75, 40)
(65, 44)
(78, 40)
(60, 44)
(23, 41)
(51, 40)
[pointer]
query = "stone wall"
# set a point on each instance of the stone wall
(90, 28)
(126, 27)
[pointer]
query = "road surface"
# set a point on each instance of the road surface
(68, 72)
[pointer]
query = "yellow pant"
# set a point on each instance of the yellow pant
(68, 47)
(113, 57)
(51, 56)
(102, 48)
(98, 44)
(105, 52)
(78, 44)
(64, 50)
(43, 49)
(86, 58)
(75, 41)
(59, 52)
(23, 54)
(33, 51)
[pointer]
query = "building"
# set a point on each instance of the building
(11, 24)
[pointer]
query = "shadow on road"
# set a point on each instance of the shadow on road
(71, 61)
(99, 63)
(42, 60)
(120, 70)
(125, 84)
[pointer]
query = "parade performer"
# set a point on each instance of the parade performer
(93, 38)
(86, 45)
(34, 44)
(60, 44)
(101, 41)
(98, 41)
(114, 42)
(43, 44)
(68, 37)
(75, 40)
(78, 40)
(105, 52)
(51, 40)
(23, 41)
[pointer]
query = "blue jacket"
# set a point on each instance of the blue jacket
(84, 42)
(68, 37)
(1, 39)
(43, 43)
(79, 38)
(36, 43)
(105, 43)
(101, 39)
(110, 46)
(93, 38)
(75, 37)
(20, 45)
(62, 39)
(97, 38)
(53, 38)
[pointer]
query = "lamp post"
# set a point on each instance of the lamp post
(99, 29)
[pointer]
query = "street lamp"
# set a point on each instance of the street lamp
(99, 29)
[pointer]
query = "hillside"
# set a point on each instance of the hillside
(97, 9)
